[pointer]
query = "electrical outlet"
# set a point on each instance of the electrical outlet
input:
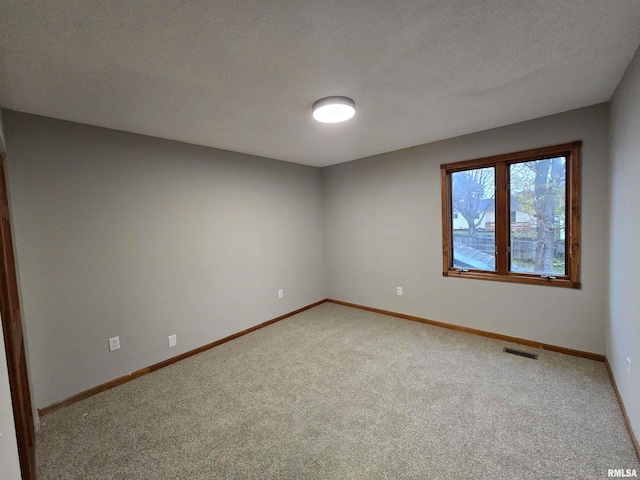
(628, 368)
(173, 341)
(399, 290)
(114, 343)
(280, 293)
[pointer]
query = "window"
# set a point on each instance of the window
(517, 217)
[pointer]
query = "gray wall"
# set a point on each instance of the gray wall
(383, 229)
(623, 333)
(122, 234)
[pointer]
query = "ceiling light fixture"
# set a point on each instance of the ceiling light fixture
(334, 109)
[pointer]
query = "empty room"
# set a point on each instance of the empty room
(309, 240)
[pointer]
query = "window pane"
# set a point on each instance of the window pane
(473, 219)
(538, 213)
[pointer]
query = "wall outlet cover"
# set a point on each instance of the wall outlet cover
(114, 343)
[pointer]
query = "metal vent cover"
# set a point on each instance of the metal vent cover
(520, 353)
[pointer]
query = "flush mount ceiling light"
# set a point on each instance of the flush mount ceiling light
(334, 109)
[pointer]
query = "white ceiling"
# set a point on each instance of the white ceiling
(242, 75)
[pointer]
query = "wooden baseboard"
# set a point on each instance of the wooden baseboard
(473, 331)
(92, 391)
(188, 354)
(634, 440)
(143, 371)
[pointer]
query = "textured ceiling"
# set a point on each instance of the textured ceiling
(242, 75)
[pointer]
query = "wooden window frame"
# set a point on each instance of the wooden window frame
(571, 151)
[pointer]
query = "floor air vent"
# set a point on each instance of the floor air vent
(534, 356)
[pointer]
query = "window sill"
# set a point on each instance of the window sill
(562, 281)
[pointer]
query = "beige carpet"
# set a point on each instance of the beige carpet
(340, 393)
